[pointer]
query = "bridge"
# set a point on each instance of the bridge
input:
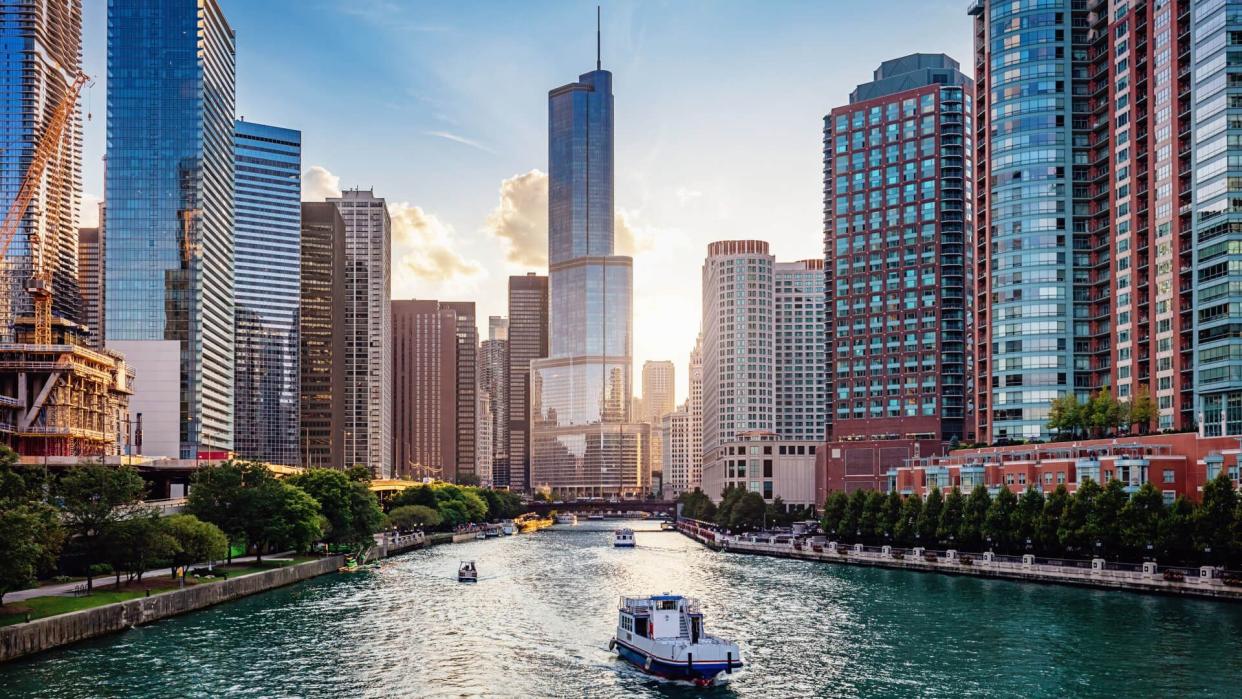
(668, 507)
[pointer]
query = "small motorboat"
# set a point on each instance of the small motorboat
(467, 572)
(567, 518)
(481, 535)
(663, 635)
(667, 526)
(623, 538)
(508, 527)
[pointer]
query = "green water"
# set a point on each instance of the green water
(539, 622)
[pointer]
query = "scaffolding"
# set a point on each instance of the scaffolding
(63, 398)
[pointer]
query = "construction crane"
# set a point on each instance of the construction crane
(39, 286)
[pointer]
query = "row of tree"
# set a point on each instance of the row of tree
(1094, 520)
(741, 510)
(95, 516)
(444, 506)
(1101, 414)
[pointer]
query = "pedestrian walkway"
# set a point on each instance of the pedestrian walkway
(62, 589)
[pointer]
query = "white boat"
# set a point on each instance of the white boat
(467, 572)
(508, 527)
(481, 535)
(623, 538)
(567, 518)
(663, 635)
(595, 517)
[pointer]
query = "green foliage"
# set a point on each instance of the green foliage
(870, 520)
(748, 512)
(359, 474)
(1215, 518)
(908, 524)
(929, 520)
(197, 541)
(1104, 520)
(951, 517)
(30, 531)
(1177, 532)
(280, 515)
(1066, 415)
(218, 494)
(1074, 531)
(834, 509)
(970, 534)
(890, 515)
(95, 497)
(851, 522)
(1048, 532)
(350, 508)
(409, 517)
(1142, 410)
(1141, 519)
(998, 524)
(697, 505)
(133, 545)
(1025, 523)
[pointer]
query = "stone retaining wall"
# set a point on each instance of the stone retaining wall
(36, 636)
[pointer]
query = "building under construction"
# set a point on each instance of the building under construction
(64, 398)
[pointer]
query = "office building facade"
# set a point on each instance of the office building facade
(368, 331)
(583, 442)
(493, 368)
(43, 55)
(799, 338)
(425, 382)
(169, 258)
(677, 459)
(528, 341)
(467, 386)
(90, 281)
(267, 283)
(694, 406)
(321, 336)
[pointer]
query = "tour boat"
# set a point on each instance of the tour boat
(595, 517)
(508, 527)
(467, 572)
(663, 636)
(623, 538)
(568, 518)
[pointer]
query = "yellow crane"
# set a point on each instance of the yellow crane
(39, 286)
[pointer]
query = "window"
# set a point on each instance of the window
(1168, 475)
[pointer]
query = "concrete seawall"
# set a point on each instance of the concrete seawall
(978, 566)
(37, 636)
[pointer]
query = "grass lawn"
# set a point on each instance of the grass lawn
(40, 607)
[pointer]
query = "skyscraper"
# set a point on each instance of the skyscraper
(321, 336)
(43, 55)
(90, 281)
(169, 257)
(799, 339)
(425, 390)
(677, 461)
(659, 388)
(528, 341)
(493, 385)
(467, 385)
(583, 442)
(694, 406)
(267, 283)
(368, 331)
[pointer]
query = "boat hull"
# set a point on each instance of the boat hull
(624, 545)
(698, 672)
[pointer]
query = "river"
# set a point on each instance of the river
(539, 621)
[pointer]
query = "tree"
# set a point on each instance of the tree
(137, 543)
(280, 514)
(350, 508)
(1104, 520)
(908, 523)
(1074, 531)
(197, 541)
(834, 510)
(747, 513)
(1048, 531)
(1103, 413)
(1142, 410)
(1066, 415)
(998, 525)
(1026, 518)
(976, 512)
(929, 521)
(423, 495)
(1141, 518)
(696, 505)
(218, 495)
(870, 520)
(30, 531)
(1214, 519)
(951, 516)
(95, 497)
(728, 500)
(409, 517)
(851, 522)
(1175, 541)
(358, 474)
(890, 515)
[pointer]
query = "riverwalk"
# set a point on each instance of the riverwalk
(1149, 577)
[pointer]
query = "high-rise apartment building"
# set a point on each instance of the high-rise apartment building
(267, 285)
(90, 281)
(677, 465)
(368, 331)
(1096, 268)
(528, 341)
(493, 368)
(425, 383)
(583, 441)
(321, 336)
(799, 338)
(169, 255)
(43, 56)
(467, 385)
(659, 389)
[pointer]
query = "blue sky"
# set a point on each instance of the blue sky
(442, 108)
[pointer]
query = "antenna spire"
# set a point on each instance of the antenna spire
(597, 40)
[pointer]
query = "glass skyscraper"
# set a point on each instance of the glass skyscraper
(169, 257)
(267, 200)
(582, 441)
(42, 53)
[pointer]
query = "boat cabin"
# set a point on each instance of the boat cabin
(662, 616)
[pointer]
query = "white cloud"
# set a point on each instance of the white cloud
(88, 213)
(521, 219)
(459, 139)
(319, 184)
(425, 249)
(685, 195)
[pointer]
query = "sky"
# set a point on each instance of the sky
(441, 108)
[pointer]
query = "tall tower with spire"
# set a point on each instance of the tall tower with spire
(583, 442)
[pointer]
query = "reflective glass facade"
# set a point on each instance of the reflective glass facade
(580, 394)
(169, 256)
(267, 203)
(38, 38)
